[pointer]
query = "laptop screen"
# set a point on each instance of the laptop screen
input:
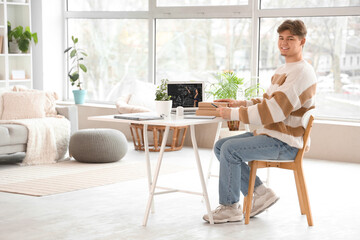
(186, 94)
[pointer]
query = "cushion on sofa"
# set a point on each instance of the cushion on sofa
(50, 100)
(2, 91)
(23, 105)
(141, 98)
(124, 107)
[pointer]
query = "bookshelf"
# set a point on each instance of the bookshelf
(17, 12)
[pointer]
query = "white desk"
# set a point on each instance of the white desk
(173, 122)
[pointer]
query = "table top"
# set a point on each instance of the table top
(173, 121)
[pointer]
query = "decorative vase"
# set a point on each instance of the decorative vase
(14, 47)
(79, 96)
(233, 125)
(163, 108)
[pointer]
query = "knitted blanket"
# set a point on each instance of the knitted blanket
(48, 139)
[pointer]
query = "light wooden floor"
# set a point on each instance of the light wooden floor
(116, 211)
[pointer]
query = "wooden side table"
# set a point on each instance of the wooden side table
(178, 137)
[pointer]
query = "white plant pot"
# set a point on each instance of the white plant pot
(14, 47)
(163, 108)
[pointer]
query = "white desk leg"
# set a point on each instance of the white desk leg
(156, 174)
(201, 174)
(148, 165)
(217, 136)
(247, 127)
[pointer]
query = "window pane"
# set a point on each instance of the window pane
(197, 49)
(333, 48)
(117, 55)
(187, 3)
(266, 4)
(107, 5)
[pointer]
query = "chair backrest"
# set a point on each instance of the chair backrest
(308, 118)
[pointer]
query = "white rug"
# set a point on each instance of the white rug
(69, 176)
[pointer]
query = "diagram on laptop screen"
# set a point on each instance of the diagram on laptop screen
(187, 95)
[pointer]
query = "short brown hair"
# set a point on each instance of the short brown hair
(296, 27)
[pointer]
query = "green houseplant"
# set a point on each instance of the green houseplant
(227, 87)
(163, 103)
(77, 56)
(161, 91)
(20, 38)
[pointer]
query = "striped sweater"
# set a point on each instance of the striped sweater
(290, 95)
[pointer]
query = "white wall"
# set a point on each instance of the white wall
(336, 141)
(48, 54)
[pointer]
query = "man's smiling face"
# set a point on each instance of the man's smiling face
(290, 46)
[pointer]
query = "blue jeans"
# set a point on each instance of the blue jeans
(233, 153)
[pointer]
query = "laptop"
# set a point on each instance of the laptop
(186, 94)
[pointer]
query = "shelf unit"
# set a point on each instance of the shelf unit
(18, 12)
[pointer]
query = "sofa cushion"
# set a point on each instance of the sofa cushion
(12, 134)
(23, 105)
(143, 96)
(2, 91)
(50, 99)
(140, 98)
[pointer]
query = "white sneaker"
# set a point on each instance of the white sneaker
(263, 202)
(223, 214)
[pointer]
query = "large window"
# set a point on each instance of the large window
(117, 55)
(197, 49)
(148, 40)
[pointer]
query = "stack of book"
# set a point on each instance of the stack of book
(207, 109)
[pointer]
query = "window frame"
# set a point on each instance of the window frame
(252, 10)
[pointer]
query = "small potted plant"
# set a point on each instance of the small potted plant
(227, 87)
(77, 56)
(163, 103)
(19, 39)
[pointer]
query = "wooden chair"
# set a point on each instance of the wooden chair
(295, 165)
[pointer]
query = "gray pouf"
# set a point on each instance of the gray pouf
(98, 145)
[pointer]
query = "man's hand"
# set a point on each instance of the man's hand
(232, 102)
(225, 112)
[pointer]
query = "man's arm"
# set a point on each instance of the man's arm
(232, 102)
(287, 98)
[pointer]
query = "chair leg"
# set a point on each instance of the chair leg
(304, 193)
(299, 193)
(253, 167)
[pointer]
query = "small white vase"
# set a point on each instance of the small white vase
(14, 47)
(163, 108)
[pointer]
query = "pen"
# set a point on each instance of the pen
(214, 105)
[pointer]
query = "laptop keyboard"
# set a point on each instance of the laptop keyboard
(186, 112)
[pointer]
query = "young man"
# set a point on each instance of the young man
(280, 111)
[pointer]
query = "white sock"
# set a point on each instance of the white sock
(260, 190)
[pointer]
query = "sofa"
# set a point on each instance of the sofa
(14, 136)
